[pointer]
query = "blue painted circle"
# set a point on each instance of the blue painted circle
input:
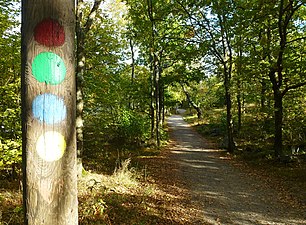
(49, 108)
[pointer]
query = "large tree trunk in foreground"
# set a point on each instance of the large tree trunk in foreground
(48, 113)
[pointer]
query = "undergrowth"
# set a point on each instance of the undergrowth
(103, 199)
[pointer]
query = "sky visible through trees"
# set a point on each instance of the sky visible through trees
(141, 54)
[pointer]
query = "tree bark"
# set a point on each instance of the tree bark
(48, 112)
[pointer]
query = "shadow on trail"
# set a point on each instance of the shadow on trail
(225, 194)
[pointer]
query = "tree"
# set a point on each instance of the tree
(280, 86)
(279, 44)
(212, 23)
(160, 47)
(83, 25)
(10, 125)
(48, 113)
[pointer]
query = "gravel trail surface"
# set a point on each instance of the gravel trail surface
(224, 193)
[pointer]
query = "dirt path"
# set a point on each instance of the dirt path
(224, 193)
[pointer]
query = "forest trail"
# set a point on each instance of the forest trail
(224, 193)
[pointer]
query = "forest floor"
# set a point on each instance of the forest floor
(219, 189)
(190, 181)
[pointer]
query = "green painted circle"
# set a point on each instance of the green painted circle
(49, 68)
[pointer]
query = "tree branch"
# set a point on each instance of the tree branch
(297, 39)
(293, 87)
(92, 15)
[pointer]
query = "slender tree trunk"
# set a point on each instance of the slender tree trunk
(160, 91)
(81, 32)
(239, 105)
(131, 104)
(80, 69)
(239, 100)
(263, 95)
(162, 105)
(157, 105)
(229, 120)
(154, 78)
(192, 103)
(152, 91)
(278, 120)
(157, 122)
(48, 113)
(239, 94)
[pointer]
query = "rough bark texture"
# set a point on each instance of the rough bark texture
(50, 185)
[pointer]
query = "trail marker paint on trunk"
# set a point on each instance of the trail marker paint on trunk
(51, 146)
(48, 67)
(49, 33)
(48, 112)
(49, 108)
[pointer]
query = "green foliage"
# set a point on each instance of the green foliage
(10, 151)
(131, 128)
(10, 122)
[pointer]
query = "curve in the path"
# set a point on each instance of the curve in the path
(226, 195)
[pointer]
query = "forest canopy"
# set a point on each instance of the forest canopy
(240, 66)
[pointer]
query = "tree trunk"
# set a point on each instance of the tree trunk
(192, 103)
(229, 120)
(80, 69)
(263, 95)
(278, 120)
(152, 91)
(157, 106)
(162, 105)
(154, 78)
(239, 105)
(239, 94)
(48, 113)
(131, 104)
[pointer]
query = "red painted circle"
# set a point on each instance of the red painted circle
(49, 33)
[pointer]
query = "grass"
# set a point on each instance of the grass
(114, 199)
